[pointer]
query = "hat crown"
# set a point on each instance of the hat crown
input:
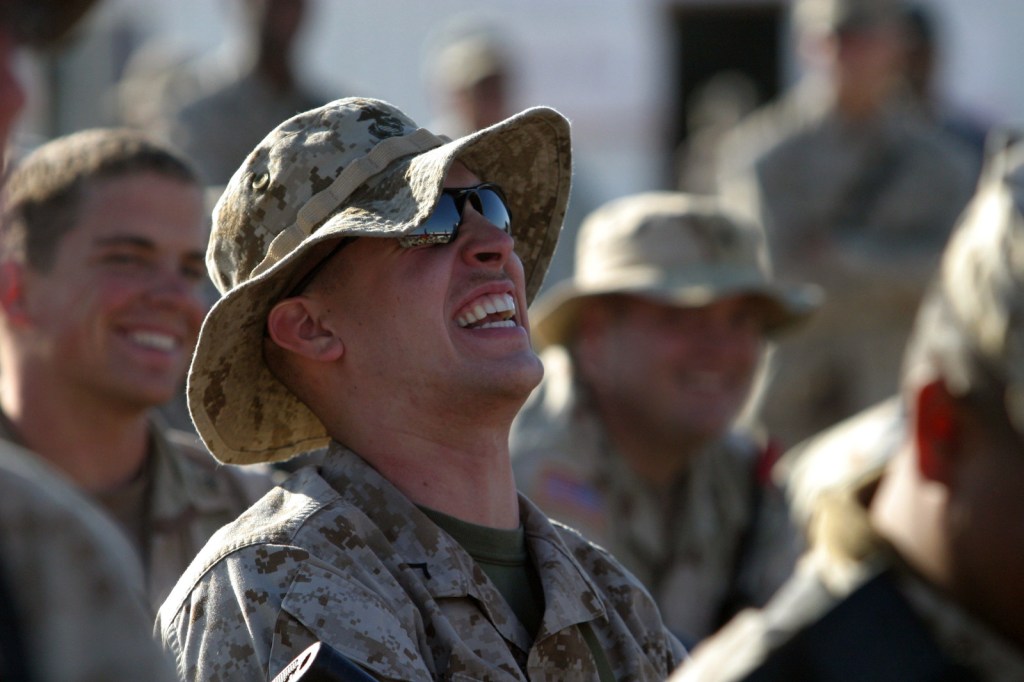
(665, 233)
(982, 272)
(296, 161)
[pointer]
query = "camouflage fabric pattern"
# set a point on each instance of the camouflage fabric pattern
(681, 546)
(846, 553)
(354, 167)
(864, 211)
(980, 339)
(675, 248)
(75, 582)
(340, 556)
(190, 498)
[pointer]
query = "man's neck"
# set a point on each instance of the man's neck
(96, 446)
(460, 468)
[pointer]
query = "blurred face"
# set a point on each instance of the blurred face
(443, 325)
(867, 61)
(679, 374)
(117, 317)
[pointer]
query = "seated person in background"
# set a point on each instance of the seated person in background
(916, 570)
(376, 279)
(101, 266)
(651, 351)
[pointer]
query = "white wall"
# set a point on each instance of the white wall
(602, 62)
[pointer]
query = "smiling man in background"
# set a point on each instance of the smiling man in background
(100, 276)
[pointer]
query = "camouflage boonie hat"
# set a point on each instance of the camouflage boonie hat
(972, 319)
(354, 167)
(676, 248)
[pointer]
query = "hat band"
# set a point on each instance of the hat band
(324, 202)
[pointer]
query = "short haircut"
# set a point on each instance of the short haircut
(43, 193)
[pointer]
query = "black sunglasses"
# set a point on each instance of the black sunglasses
(441, 227)
(443, 224)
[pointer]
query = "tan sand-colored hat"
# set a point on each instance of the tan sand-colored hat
(354, 167)
(676, 248)
(971, 321)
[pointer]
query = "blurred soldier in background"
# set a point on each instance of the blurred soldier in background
(917, 568)
(236, 105)
(102, 263)
(72, 602)
(651, 352)
(857, 191)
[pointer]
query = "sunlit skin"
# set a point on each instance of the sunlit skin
(394, 373)
(108, 332)
(666, 379)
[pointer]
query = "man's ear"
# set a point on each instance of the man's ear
(937, 431)
(294, 325)
(12, 292)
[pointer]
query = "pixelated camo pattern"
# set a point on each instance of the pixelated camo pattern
(342, 557)
(242, 412)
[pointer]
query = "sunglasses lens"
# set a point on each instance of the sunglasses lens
(443, 223)
(438, 228)
(493, 208)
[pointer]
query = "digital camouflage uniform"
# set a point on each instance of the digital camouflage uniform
(75, 586)
(187, 496)
(337, 553)
(864, 211)
(341, 556)
(685, 546)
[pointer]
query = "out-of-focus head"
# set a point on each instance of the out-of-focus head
(103, 245)
(970, 330)
(668, 311)
(860, 44)
(474, 72)
(276, 23)
(968, 344)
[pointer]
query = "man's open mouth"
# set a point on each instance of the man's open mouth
(488, 311)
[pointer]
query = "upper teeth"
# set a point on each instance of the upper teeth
(491, 304)
(155, 340)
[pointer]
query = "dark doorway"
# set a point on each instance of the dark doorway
(743, 41)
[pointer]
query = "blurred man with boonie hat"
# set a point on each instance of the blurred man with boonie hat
(376, 279)
(916, 570)
(651, 353)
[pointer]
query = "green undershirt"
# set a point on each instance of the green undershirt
(503, 556)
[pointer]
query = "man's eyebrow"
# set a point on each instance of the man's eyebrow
(124, 240)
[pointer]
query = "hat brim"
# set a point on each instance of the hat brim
(553, 318)
(243, 413)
